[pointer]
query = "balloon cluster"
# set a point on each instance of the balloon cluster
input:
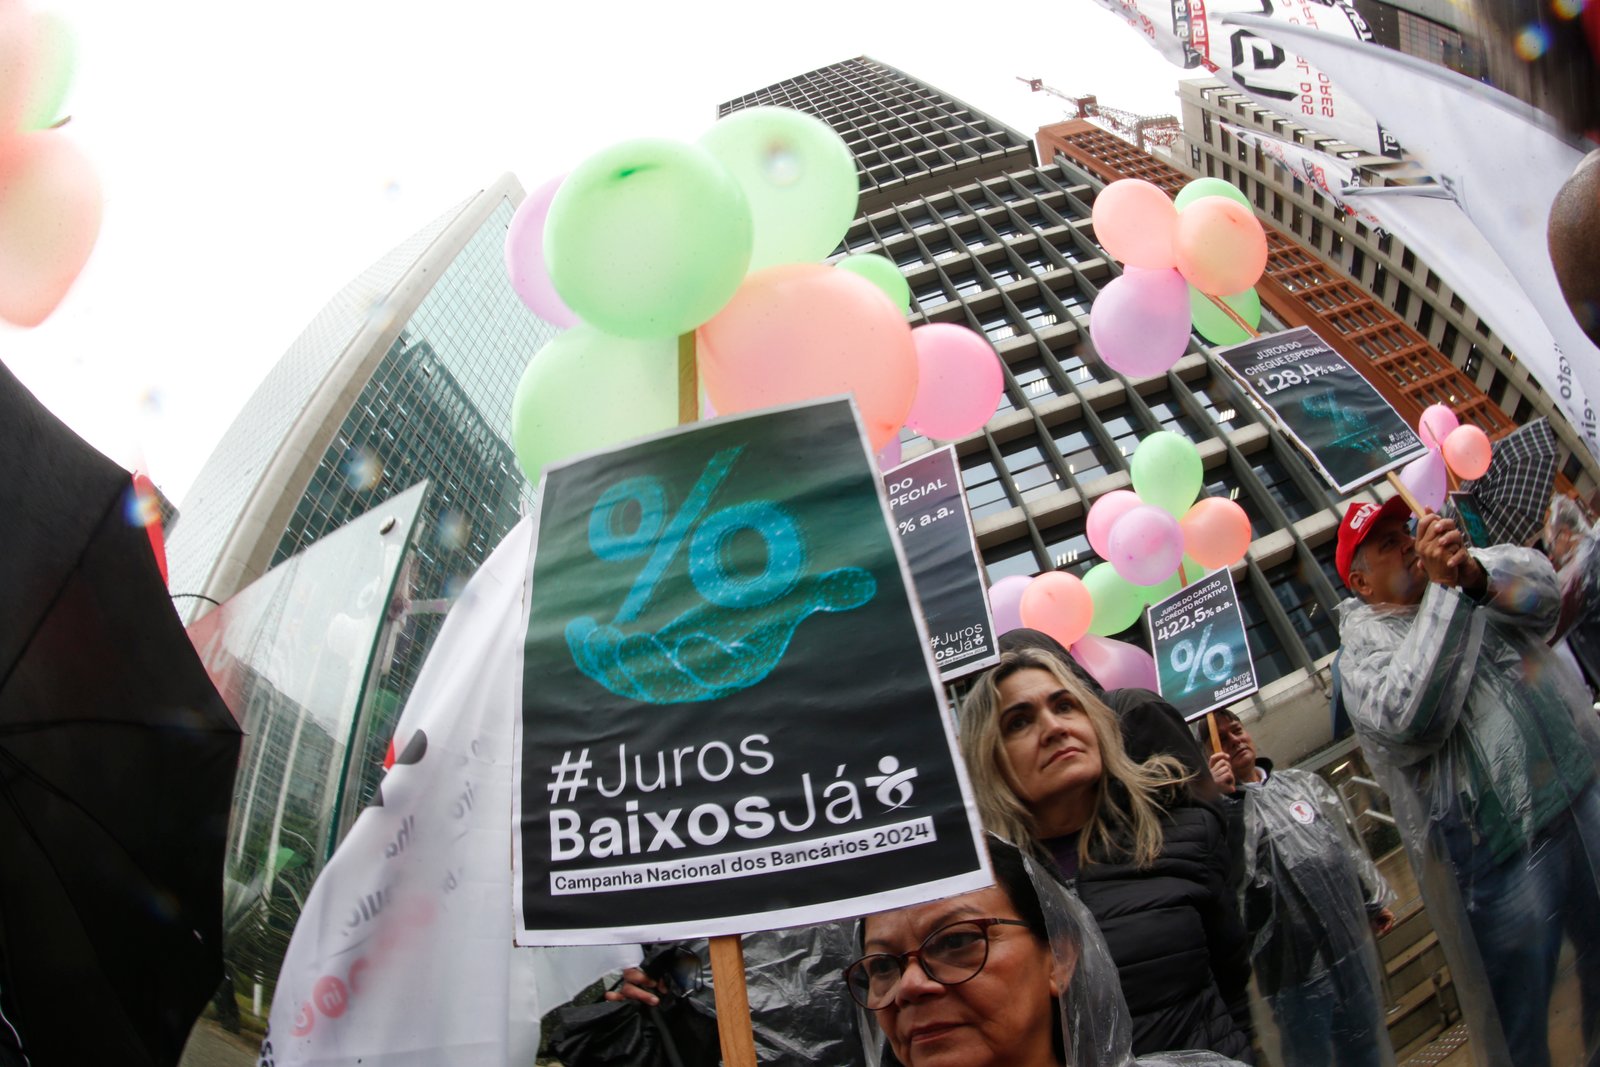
(1153, 540)
(49, 194)
(652, 239)
(1177, 254)
(1453, 448)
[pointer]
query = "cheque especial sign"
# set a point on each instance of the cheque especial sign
(930, 515)
(730, 720)
(1202, 655)
(1327, 407)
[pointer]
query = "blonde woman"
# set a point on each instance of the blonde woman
(1149, 860)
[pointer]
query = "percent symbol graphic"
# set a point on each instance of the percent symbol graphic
(1197, 656)
(739, 629)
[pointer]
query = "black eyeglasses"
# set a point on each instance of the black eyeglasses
(952, 954)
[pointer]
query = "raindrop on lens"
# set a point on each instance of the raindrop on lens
(1532, 42)
(362, 471)
(780, 164)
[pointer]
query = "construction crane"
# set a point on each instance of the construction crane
(1142, 130)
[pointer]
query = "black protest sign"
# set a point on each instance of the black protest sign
(1331, 412)
(930, 514)
(730, 720)
(1198, 639)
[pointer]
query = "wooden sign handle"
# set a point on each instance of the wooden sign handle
(1211, 724)
(1238, 320)
(1405, 494)
(733, 1002)
(727, 952)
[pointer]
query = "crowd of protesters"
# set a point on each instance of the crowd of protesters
(1142, 882)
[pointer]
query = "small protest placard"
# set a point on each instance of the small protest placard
(935, 529)
(730, 717)
(1202, 657)
(1331, 412)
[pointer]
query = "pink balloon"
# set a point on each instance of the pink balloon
(1134, 222)
(1057, 603)
(1115, 664)
(1103, 514)
(1427, 480)
(1437, 423)
(1468, 452)
(1219, 246)
(890, 455)
(49, 219)
(958, 381)
(1005, 602)
(1216, 532)
(802, 331)
(1140, 322)
(530, 276)
(1146, 545)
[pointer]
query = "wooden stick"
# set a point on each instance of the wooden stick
(733, 1002)
(1405, 494)
(1238, 320)
(688, 381)
(1211, 724)
(727, 952)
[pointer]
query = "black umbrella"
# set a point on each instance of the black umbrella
(1514, 493)
(116, 767)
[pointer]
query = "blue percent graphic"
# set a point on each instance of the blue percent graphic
(743, 627)
(1196, 656)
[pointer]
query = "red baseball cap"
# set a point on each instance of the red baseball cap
(1359, 520)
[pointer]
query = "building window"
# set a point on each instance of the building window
(1315, 626)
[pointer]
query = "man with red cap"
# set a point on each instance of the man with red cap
(1487, 747)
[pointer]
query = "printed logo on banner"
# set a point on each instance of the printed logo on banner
(740, 628)
(730, 717)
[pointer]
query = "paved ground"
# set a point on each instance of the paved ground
(211, 1046)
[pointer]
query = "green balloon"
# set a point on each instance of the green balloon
(880, 271)
(1118, 603)
(1211, 323)
(55, 55)
(648, 238)
(587, 390)
(1209, 187)
(1167, 472)
(798, 176)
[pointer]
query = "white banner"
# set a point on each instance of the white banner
(1191, 33)
(1503, 162)
(403, 956)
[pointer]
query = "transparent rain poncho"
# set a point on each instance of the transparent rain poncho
(1094, 1019)
(1309, 892)
(1574, 547)
(1486, 744)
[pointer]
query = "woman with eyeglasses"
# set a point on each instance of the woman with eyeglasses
(1011, 976)
(1147, 858)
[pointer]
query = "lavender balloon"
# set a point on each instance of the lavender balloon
(1146, 545)
(1115, 664)
(530, 277)
(1140, 322)
(1005, 602)
(1103, 515)
(1425, 477)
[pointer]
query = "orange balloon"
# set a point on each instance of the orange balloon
(1059, 604)
(1219, 246)
(803, 331)
(1216, 532)
(1468, 451)
(49, 219)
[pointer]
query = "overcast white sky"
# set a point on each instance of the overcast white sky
(256, 157)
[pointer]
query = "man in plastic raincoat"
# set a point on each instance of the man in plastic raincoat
(1309, 897)
(1487, 747)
